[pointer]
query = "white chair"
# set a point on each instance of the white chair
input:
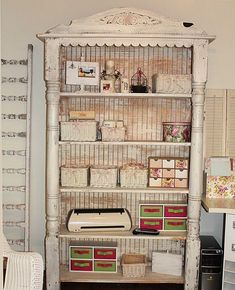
(24, 270)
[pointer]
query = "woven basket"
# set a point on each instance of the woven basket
(113, 134)
(133, 265)
(78, 131)
(103, 176)
(75, 176)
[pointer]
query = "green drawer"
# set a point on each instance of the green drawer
(81, 253)
(175, 224)
(151, 210)
(105, 266)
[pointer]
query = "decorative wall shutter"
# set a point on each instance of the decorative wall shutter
(230, 140)
(215, 123)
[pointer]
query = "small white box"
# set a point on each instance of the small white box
(175, 84)
(74, 176)
(78, 131)
(167, 263)
(103, 176)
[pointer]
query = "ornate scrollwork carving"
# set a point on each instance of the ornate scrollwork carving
(129, 18)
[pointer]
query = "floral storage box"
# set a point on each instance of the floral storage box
(220, 186)
(74, 176)
(133, 176)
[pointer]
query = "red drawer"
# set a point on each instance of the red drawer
(105, 253)
(151, 224)
(81, 265)
(175, 211)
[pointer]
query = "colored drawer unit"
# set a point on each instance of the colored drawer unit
(105, 266)
(175, 224)
(168, 172)
(81, 253)
(91, 256)
(102, 253)
(151, 223)
(81, 265)
(151, 211)
(175, 211)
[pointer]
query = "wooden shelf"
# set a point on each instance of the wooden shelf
(140, 143)
(218, 205)
(122, 189)
(125, 95)
(150, 277)
(166, 235)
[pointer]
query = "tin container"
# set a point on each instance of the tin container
(176, 132)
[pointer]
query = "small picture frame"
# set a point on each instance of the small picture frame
(107, 86)
(82, 73)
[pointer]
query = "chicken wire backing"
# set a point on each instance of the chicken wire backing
(143, 246)
(151, 60)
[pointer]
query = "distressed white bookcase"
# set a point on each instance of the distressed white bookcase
(132, 38)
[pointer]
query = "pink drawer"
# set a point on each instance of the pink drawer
(81, 265)
(168, 182)
(175, 211)
(151, 224)
(181, 163)
(169, 173)
(181, 173)
(105, 253)
(155, 172)
(155, 162)
(181, 183)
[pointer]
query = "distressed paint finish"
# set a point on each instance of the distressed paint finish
(195, 183)
(127, 27)
(52, 163)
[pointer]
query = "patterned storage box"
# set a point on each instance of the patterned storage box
(133, 176)
(220, 186)
(78, 130)
(103, 176)
(87, 256)
(168, 172)
(76, 176)
(163, 216)
(113, 133)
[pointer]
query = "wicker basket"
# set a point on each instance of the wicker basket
(133, 265)
(113, 133)
(76, 176)
(103, 176)
(133, 176)
(78, 131)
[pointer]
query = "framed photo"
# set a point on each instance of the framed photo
(82, 73)
(107, 86)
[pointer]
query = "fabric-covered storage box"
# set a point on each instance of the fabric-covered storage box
(113, 133)
(220, 186)
(74, 176)
(133, 176)
(78, 130)
(167, 263)
(103, 176)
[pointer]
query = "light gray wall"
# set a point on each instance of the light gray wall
(22, 20)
